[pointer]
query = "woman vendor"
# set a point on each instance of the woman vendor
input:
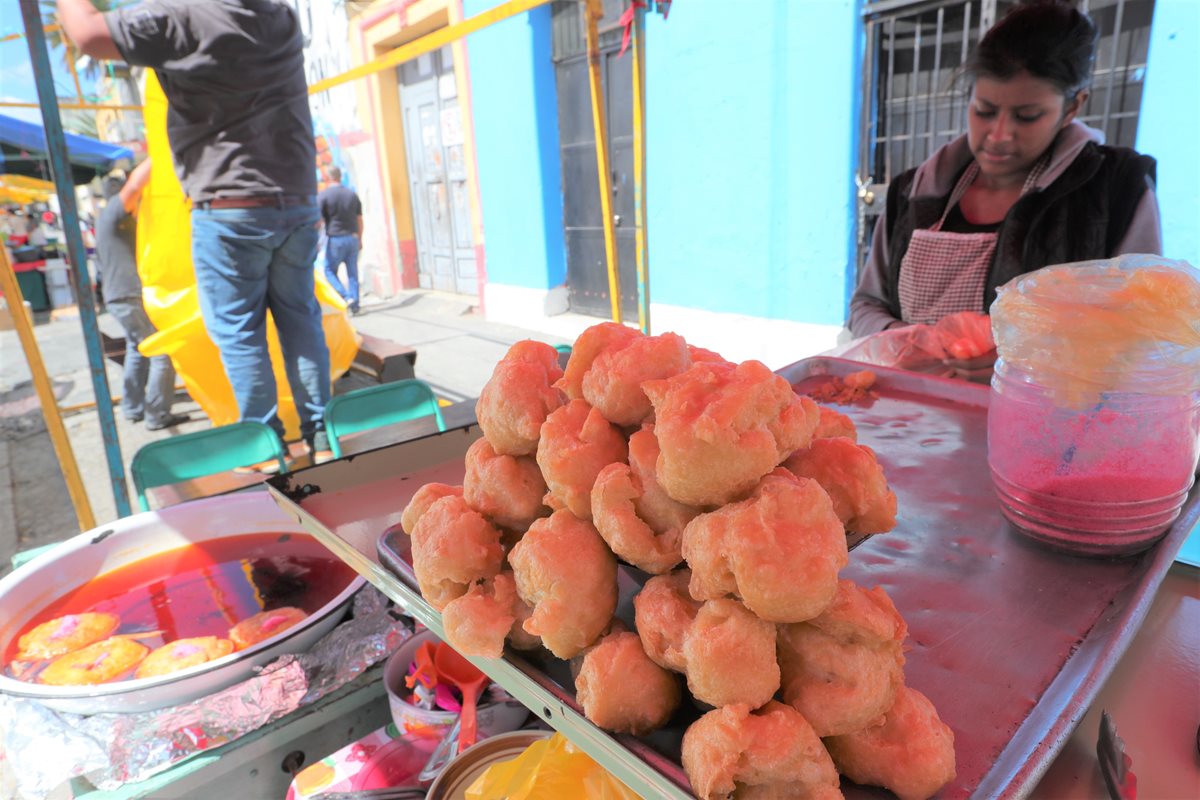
(1028, 185)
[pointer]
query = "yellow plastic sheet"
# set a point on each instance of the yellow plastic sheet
(550, 769)
(169, 290)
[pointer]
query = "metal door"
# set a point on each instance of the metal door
(437, 174)
(587, 267)
(911, 105)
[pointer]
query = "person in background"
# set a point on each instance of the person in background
(1028, 186)
(241, 135)
(341, 212)
(33, 231)
(149, 383)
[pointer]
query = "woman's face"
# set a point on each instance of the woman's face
(1012, 122)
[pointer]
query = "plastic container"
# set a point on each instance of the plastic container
(493, 718)
(1105, 480)
(1094, 420)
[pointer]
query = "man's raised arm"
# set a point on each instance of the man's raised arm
(85, 26)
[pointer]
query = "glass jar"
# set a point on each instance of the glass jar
(1105, 479)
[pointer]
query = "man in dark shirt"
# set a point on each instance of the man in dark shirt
(341, 211)
(241, 134)
(149, 383)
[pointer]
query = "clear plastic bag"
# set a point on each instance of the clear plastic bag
(550, 769)
(925, 348)
(1128, 324)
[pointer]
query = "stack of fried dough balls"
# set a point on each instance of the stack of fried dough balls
(736, 496)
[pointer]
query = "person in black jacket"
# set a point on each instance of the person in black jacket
(1027, 186)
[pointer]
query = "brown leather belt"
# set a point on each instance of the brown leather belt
(259, 201)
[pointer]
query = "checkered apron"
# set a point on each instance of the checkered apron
(943, 273)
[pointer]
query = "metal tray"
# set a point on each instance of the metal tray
(1011, 641)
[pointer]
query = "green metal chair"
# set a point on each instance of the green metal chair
(375, 406)
(193, 455)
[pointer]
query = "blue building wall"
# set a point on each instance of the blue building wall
(750, 143)
(515, 111)
(1170, 120)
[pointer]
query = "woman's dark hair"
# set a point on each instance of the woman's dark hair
(1049, 39)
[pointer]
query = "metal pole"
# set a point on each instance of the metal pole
(45, 391)
(593, 13)
(639, 167)
(60, 166)
(78, 106)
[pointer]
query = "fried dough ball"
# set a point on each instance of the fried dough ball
(854, 480)
(66, 633)
(622, 690)
(911, 753)
(426, 496)
(654, 505)
(779, 551)
(99, 662)
(699, 354)
(577, 442)
(591, 343)
(566, 572)
(478, 622)
(773, 753)
(518, 637)
(264, 625)
(727, 653)
(518, 397)
(842, 668)
(614, 511)
(183, 653)
(452, 547)
(663, 613)
(614, 383)
(508, 490)
(835, 423)
(730, 655)
(721, 427)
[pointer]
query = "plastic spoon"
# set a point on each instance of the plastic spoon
(425, 671)
(455, 669)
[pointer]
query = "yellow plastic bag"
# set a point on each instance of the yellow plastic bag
(169, 290)
(549, 769)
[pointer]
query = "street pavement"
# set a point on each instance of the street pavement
(456, 351)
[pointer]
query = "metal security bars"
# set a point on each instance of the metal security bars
(912, 103)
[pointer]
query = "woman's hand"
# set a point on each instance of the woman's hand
(977, 369)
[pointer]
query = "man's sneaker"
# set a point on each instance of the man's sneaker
(170, 421)
(318, 447)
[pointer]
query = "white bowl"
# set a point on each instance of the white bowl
(33, 586)
(491, 718)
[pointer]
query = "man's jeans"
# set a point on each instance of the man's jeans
(149, 382)
(249, 261)
(343, 250)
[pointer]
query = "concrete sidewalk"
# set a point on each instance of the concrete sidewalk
(456, 352)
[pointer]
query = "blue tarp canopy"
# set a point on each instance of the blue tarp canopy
(23, 152)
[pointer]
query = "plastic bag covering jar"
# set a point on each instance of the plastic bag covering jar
(1094, 421)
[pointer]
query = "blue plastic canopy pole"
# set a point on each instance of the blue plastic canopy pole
(60, 167)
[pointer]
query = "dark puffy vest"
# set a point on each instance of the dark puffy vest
(1083, 215)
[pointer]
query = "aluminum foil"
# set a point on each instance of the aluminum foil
(111, 750)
